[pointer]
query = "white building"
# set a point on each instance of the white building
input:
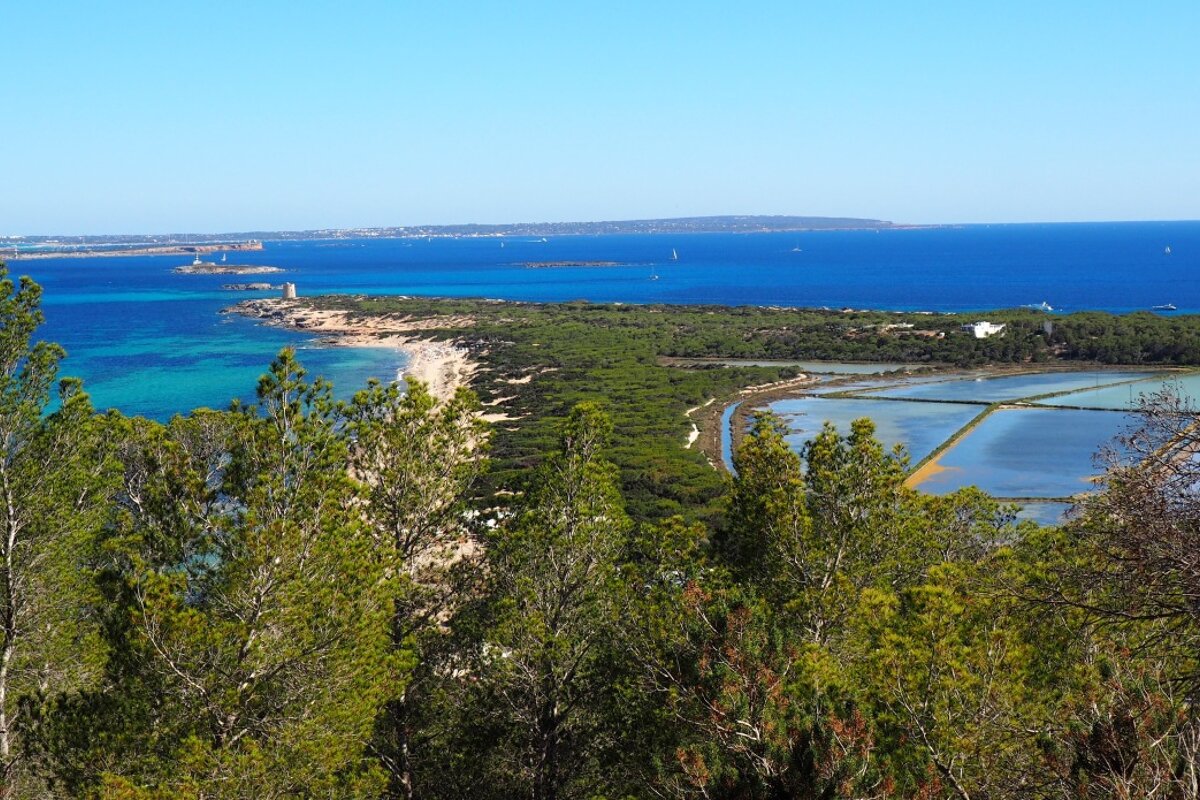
(289, 291)
(982, 330)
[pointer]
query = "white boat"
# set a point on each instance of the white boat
(1167, 250)
(223, 256)
(1164, 307)
(196, 261)
(797, 249)
(674, 255)
(1042, 306)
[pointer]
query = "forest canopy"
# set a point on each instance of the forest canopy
(306, 597)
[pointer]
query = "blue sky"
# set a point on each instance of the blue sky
(157, 117)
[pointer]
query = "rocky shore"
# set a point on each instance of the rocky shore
(251, 287)
(212, 268)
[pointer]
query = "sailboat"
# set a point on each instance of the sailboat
(674, 255)
(653, 273)
(223, 257)
(1167, 250)
(797, 249)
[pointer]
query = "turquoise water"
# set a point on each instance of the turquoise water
(149, 341)
(920, 427)
(1127, 396)
(1029, 452)
(155, 369)
(1009, 387)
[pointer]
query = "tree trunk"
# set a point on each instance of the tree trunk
(396, 742)
(8, 629)
(545, 778)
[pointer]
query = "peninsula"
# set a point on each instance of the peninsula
(13, 250)
(23, 247)
(672, 375)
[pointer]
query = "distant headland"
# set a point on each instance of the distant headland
(24, 247)
(34, 247)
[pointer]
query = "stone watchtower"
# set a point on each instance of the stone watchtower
(289, 291)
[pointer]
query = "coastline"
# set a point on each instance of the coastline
(442, 365)
(115, 252)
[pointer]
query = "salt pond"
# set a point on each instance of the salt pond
(1044, 513)
(817, 367)
(1008, 387)
(1126, 396)
(920, 427)
(1028, 452)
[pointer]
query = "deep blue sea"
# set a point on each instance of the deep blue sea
(152, 342)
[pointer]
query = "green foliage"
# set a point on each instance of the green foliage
(553, 601)
(417, 460)
(305, 598)
(646, 365)
(247, 609)
(54, 481)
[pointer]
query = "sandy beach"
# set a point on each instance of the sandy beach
(442, 366)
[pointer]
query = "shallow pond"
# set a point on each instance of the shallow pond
(870, 382)
(727, 436)
(817, 367)
(1009, 387)
(1033, 452)
(1128, 395)
(1044, 513)
(920, 427)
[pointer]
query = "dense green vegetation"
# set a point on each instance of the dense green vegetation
(611, 355)
(298, 599)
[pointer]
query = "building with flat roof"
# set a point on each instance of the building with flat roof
(982, 330)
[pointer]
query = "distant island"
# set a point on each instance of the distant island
(211, 268)
(556, 264)
(24, 247)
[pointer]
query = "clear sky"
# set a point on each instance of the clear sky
(221, 116)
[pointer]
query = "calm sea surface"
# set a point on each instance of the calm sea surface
(152, 342)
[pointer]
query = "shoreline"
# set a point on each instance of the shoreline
(442, 365)
(154, 250)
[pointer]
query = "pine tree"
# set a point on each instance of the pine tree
(54, 479)
(555, 603)
(247, 612)
(418, 460)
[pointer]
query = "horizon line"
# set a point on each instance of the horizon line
(871, 223)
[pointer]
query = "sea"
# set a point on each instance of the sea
(152, 342)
